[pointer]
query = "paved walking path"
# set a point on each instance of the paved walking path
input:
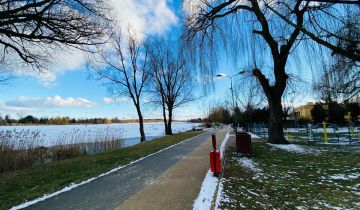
(170, 179)
(177, 187)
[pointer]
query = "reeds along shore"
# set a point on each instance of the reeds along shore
(23, 149)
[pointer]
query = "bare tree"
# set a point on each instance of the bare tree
(172, 82)
(124, 66)
(275, 27)
(30, 30)
(325, 87)
(219, 115)
(339, 82)
(249, 94)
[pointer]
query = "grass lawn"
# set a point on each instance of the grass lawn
(19, 186)
(322, 177)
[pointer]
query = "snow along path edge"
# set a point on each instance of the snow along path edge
(73, 185)
(209, 185)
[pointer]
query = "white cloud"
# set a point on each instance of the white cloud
(60, 60)
(146, 100)
(6, 108)
(56, 101)
(144, 17)
(108, 100)
(63, 61)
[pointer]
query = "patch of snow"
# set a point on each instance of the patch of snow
(328, 206)
(252, 192)
(345, 176)
(293, 148)
(250, 164)
(220, 195)
(73, 185)
(206, 195)
(254, 136)
(223, 145)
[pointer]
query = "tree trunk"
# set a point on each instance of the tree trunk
(276, 132)
(165, 120)
(273, 94)
(141, 124)
(169, 129)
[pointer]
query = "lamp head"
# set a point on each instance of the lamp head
(220, 75)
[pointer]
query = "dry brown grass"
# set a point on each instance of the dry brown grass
(24, 149)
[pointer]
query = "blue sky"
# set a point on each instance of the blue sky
(77, 84)
(67, 89)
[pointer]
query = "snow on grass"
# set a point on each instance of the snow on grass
(293, 148)
(305, 178)
(345, 176)
(254, 136)
(209, 185)
(328, 206)
(206, 195)
(250, 165)
(223, 145)
(222, 197)
(75, 185)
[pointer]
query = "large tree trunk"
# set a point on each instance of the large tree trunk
(169, 129)
(141, 124)
(276, 132)
(273, 94)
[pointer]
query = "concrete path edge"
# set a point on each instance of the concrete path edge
(210, 185)
(74, 185)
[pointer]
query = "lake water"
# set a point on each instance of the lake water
(49, 135)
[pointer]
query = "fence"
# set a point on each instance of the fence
(322, 133)
(325, 133)
(260, 129)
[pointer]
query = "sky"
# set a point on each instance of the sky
(68, 89)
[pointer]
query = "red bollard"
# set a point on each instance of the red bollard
(213, 141)
(215, 163)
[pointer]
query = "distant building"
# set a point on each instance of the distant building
(304, 112)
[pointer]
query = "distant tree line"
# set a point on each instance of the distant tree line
(333, 112)
(218, 115)
(29, 119)
(223, 115)
(330, 112)
(196, 120)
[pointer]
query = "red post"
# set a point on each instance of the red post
(214, 158)
(214, 141)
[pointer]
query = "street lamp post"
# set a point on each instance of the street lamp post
(232, 93)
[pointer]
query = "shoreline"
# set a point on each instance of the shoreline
(148, 122)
